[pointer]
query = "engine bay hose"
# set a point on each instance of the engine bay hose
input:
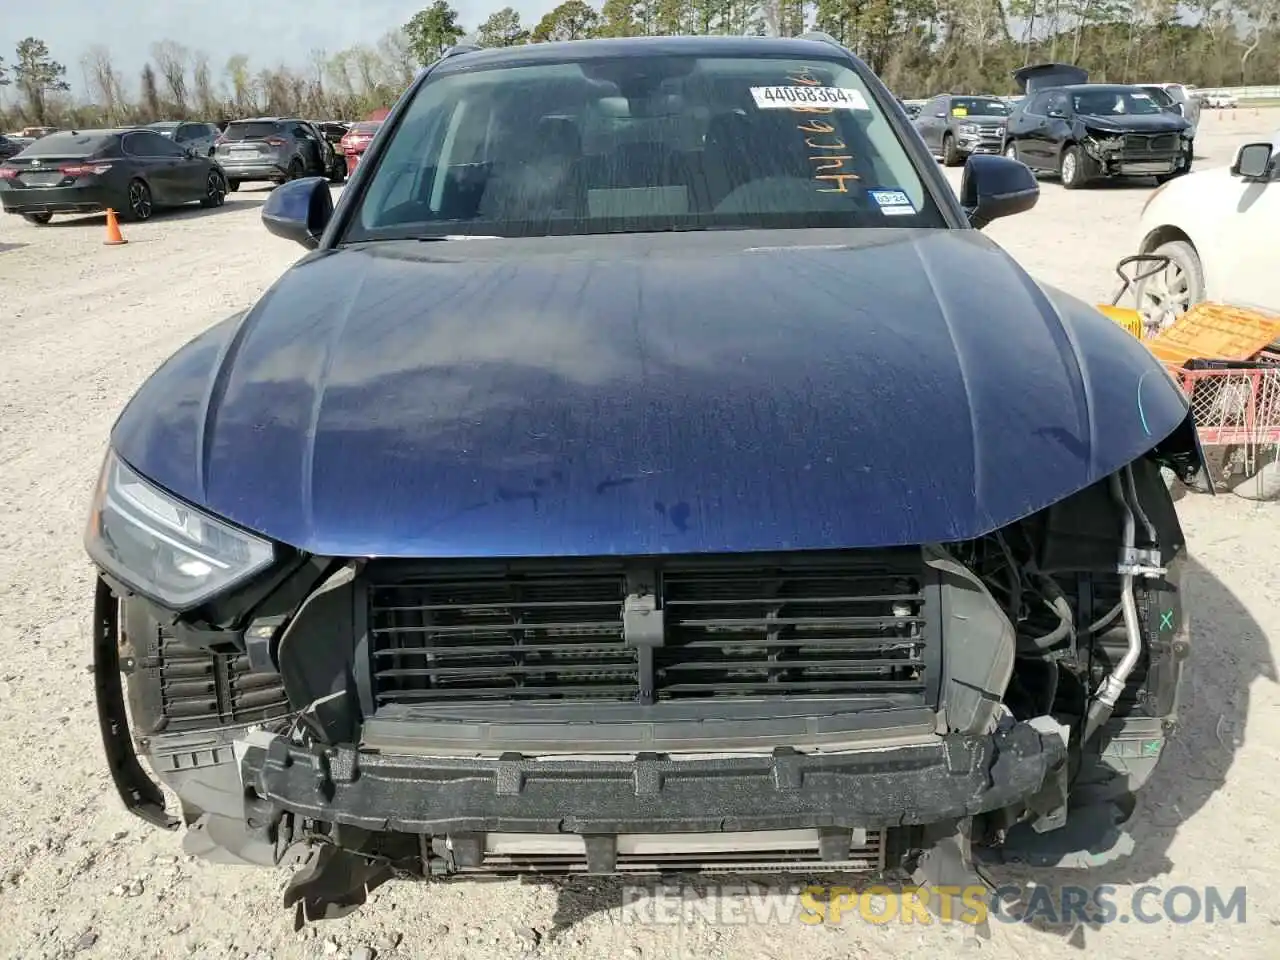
(1109, 691)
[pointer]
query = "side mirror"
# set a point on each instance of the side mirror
(299, 210)
(992, 187)
(1253, 161)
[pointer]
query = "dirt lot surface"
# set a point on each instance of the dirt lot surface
(82, 324)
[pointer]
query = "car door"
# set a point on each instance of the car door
(310, 147)
(932, 122)
(153, 157)
(1057, 129)
(186, 173)
(1031, 127)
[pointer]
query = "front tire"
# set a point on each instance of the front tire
(215, 191)
(1165, 296)
(39, 219)
(1072, 168)
(950, 152)
(139, 205)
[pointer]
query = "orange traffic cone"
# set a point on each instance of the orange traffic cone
(113, 230)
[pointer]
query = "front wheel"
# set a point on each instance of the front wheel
(39, 219)
(1166, 295)
(950, 152)
(139, 205)
(1072, 168)
(215, 190)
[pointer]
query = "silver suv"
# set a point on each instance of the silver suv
(276, 149)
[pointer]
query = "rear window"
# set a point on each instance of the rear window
(366, 127)
(619, 145)
(165, 130)
(250, 130)
(67, 145)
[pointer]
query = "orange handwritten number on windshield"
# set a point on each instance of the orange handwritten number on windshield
(830, 165)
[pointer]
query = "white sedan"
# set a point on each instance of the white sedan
(1217, 226)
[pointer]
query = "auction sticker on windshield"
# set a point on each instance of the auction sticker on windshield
(892, 202)
(788, 98)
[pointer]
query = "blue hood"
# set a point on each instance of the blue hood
(648, 394)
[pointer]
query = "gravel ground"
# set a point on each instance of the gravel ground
(83, 324)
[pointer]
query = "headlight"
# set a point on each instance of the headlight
(163, 548)
(968, 128)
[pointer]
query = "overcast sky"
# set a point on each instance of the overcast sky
(267, 32)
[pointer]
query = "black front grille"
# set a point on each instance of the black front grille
(1151, 143)
(848, 624)
(199, 689)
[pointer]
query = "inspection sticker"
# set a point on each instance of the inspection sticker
(893, 203)
(791, 98)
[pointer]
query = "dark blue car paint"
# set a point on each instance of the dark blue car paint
(730, 391)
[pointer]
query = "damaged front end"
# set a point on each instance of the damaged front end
(898, 711)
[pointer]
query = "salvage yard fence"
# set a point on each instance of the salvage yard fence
(1242, 93)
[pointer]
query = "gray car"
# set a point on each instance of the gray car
(954, 126)
(1175, 98)
(276, 149)
(188, 134)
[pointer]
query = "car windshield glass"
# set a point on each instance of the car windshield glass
(67, 145)
(1160, 96)
(1112, 103)
(978, 107)
(250, 130)
(614, 145)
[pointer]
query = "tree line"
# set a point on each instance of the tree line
(919, 47)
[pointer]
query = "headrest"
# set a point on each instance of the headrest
(557, 136)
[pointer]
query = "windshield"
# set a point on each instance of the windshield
(1112, 103)
(1160, 96)
(613, 145)
(978, 107)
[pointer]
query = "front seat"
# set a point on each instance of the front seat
(537, 184)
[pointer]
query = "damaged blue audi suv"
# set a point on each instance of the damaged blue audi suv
(650, 466)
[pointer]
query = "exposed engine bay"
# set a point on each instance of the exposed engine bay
(888, 711)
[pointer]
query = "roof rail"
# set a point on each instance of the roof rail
(822, 38)
(458, 48)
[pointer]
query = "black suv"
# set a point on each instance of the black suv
(1088, 131)
(276, 149)
(955, 127)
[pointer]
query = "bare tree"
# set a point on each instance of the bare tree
(241, 80)
(104, 82)
(151, 93)
(202, 91)
(396, 52)
(171, 61)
